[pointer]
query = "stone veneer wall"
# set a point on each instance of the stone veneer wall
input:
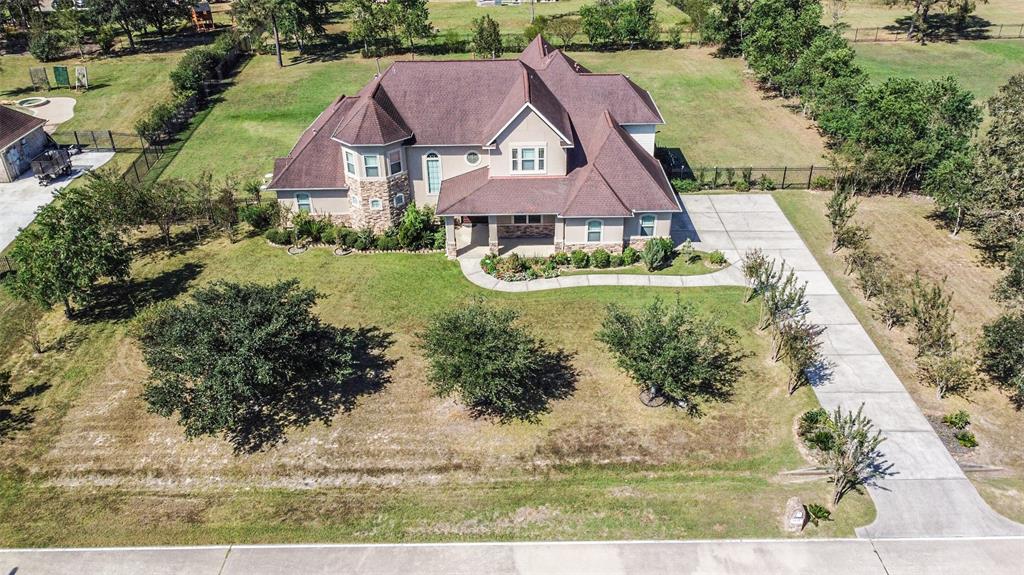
(384, 190)
(610, 247)
(526, 231)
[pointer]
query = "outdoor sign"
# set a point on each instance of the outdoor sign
(81, 78)
(60, 77)
(40, 81)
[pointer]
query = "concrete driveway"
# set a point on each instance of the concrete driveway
(925, 493)
(20, 199)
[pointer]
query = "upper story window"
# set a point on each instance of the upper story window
(433, 173)
(350, 163)
(394, 162)
(647, 225)
(595, 230)
(527, 219)
(371, 166)
(304, 203)
(528, 159)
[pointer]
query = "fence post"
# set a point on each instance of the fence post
(1021, 33)
(110, 135)
(136, 169)
(77, 143)
(145, 157)
(714, 183)
(784, 170)
(810, 176)
(93, 135)
(856, 33)
(876, 34)
(1000, 31)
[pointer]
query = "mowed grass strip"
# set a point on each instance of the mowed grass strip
(713, 113)
(901, 229)
(871, 13)
(980, 66)
(402, 465)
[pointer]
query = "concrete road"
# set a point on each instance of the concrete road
(20, 199)
(840, 556)
(925, 493)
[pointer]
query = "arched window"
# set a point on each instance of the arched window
(595, 230)
(399, 200)
(304, 203)
(433, 173)
(647, 225)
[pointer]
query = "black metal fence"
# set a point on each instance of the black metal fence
(987, 31)
(778, 177)
(100, 140)
(148, 158)
(6, 265)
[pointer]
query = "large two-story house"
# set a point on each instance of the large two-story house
(536, 147)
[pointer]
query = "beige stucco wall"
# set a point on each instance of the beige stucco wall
(662, 226)
(380, 152)
(644, 135)
(576, 230)
(453, 163)
(331, 202)
(528, 128)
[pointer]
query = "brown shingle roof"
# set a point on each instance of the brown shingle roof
(476, 193)
(14, 125)
(315, 161)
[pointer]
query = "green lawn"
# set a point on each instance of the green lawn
(95, 468)
(871, 13)
(458, 15)
(122, 89)
(981, 66)
(713, 113)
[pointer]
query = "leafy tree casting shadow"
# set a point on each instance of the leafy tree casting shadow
(264, 424)
(552, 377)
(945, 27)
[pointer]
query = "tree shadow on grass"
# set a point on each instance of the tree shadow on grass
(117, 301)
(13, 417)
(552, 377)
(330, 48)
(264, 425)
(945, 27)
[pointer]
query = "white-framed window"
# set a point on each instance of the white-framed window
(371, 166)
(376, 204)
(350, 163)
(395, 162)
(595, 231)
(433, 173)
(399, 200)
(304, 203)
(353, 199)
(472, 158)
(527, 219)
(647, 225)
(528, 159)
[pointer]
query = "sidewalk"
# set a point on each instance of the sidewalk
(773, 557)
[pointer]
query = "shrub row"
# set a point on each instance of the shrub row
(418, 230)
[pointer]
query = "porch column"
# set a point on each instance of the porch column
(492, 233)
(559, 234)
(451, 249)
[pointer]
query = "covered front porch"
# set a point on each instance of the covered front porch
(477, 236)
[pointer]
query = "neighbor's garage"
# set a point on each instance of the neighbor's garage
(21, 139)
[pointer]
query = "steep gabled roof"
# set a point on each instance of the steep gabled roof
(531, 93)
(536, 53)
(372, 120)
(14, 125)
(592, 195)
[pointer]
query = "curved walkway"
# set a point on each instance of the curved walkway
(926, 494)
(730, 276)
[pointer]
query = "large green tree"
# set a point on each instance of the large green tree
(674, 352)
(482, 355)
(294, 18)
(1002, 354)
(726, 26)
(246, 361)
(66, 251)
(486, 38)
(778, 32)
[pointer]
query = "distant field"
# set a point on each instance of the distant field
(981, 66)
(458, 15)
(871, 13)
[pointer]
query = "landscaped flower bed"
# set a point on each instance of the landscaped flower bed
(418, 232)
(657, 258)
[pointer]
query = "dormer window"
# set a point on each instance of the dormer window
(528, 160)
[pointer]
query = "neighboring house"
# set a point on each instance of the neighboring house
(537, 147)
(21, 139)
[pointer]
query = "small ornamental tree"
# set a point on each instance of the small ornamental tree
(674, 353)
(949, 375)
(66, 251)
(851, 455)
(480, 354)
(246, 361)
(783, 301)
(799, 348)
(657, 253)
(933, 318)
(1002, 355)
(893, 305)
(840, 210)
(760, 272)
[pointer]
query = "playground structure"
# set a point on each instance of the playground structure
(202, 17)
(61, 78)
